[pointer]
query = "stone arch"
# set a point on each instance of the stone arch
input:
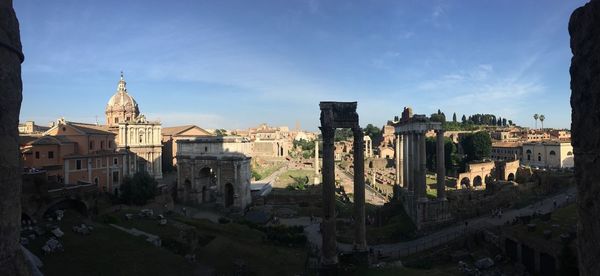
(488, 179)
(477, 181)
(229, 193)
(511, 177)
(67, 203)
(466, 182)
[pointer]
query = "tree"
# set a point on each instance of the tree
(220, 132)
(373, 132)
(510, 122)
(476, 146)
(542, 118)
(535, 117)
(454, 117)
(437, 118)
(138, 189)
(504, 121)
(464, 119)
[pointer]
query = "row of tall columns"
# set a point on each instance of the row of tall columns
(360, 241)
(411, 166)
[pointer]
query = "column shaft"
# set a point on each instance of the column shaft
(406, 161)
(441, 166)
(422, 167)
(360, 241)
(329, 247)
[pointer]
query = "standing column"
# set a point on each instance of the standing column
(405, 174)
(422, 167)
(316, 180)
(414, 186)
(328, 249)
(360, 242)
(441, 166)
(397, 159)
(411, 161)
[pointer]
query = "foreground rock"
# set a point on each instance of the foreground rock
(584, 28)
(12, 261)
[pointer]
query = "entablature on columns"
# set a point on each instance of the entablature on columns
(417, 127)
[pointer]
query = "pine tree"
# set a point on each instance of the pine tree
(454, 117)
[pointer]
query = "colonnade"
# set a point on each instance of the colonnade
(411, 163)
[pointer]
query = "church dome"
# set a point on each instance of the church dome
(121, 106)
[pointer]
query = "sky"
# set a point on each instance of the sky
(236, 64)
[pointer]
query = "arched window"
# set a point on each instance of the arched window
(552, 152)
(569, 153)
(539, 157)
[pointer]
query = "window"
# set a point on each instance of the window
(205, 149)
(552, 152)
(91, 145)
(569, 153)
(101, 144)
(37, 155)
(539, 157)
(64, 129)
(141, 138)
(109, 144)
(115, 177)
(50, 155)
(127, 118)
(116, 120)
(78, 164)
(116, 161)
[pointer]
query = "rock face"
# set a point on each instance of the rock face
(584, 28)
(11, 256)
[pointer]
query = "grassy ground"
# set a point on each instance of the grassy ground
(404, 271)
(561, 222)
(235, 244)
(107, 251)
(263, 171)
(287, 178)
(398, 228)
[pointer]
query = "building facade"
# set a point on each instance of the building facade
(548, 154)
(76, 153)
(135, 134)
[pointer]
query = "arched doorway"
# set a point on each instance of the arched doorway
(477, 181)
(73, 204)
(228, 195)
(187, 189)
(465, 182)
(511, 177)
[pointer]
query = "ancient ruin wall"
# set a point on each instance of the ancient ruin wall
(11, 261)
(584, 28)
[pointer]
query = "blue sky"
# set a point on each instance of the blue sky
(235, 64)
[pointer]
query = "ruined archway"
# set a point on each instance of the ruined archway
(465, 182)
(477, 181)
(67, 203)
(511, 177)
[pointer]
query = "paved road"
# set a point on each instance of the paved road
(442, 236)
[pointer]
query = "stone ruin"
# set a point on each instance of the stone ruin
(341, 115)
(584, 28)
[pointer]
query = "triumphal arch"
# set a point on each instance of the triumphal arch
(214, 171)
